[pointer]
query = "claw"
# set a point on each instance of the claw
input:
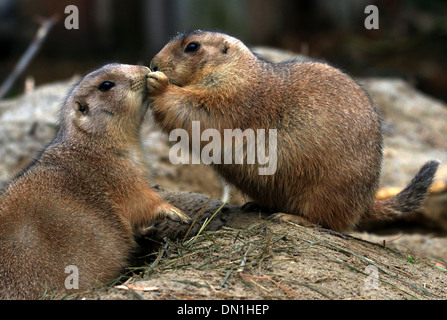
(285, 217)
(174, 214)
(147, 230)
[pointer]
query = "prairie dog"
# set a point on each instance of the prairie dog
(78, 205)
(329, 139)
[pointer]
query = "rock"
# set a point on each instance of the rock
(415, 130)
(27, 123)
(303, 258)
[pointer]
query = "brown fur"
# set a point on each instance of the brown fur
(329, 133)
(83, 198)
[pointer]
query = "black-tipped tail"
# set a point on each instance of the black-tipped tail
(409, 199)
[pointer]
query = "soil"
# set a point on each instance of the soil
(243, 255)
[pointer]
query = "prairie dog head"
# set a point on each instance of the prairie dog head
(199, 57)
(109, 102)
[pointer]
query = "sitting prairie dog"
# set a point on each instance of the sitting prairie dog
(79, 204)
(329, 139)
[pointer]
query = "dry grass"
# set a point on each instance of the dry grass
(264, 260)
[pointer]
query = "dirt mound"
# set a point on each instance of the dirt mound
(241, 255)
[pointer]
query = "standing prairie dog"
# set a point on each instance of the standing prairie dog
(75, 209)
(329, 140)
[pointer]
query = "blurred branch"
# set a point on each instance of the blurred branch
(33, 48)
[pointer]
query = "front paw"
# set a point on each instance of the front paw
(157, 82)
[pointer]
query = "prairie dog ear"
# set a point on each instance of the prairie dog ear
(225, 47)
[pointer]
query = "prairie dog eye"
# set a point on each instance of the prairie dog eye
(192, 47)
(106, 86)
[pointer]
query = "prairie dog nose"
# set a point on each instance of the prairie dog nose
(153, 65)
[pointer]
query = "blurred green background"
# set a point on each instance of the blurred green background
(411, 42)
